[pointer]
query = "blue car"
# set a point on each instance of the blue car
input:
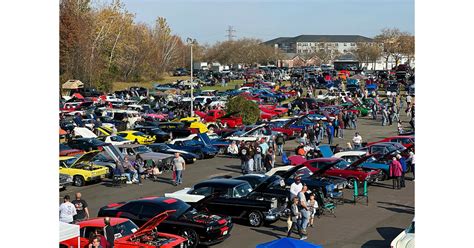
(197, 147)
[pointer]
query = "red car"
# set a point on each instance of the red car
(273, 109)
(128, 235)
(341, 168)
(220, 116)
(406, 141)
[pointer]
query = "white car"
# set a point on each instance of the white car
(350, 156)
(186, 195)
(406, 239)
(254, 134)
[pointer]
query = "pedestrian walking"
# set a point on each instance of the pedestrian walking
(67, 210)
(280, 141)
(81, 208)
(179, 165)
(330, 133)
(395, 172)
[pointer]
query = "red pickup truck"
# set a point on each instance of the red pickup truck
(220, 116)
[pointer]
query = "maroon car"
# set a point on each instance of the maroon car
(341, 168)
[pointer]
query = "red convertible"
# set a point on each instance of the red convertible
(128, 235)
(273, 109)
(406, 141)
(341, 168)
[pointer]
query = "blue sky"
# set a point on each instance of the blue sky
(207, 20)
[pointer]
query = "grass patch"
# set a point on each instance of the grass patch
(147, 84)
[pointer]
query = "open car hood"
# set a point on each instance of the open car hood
(86, 157)
(326, 151)
(153, 222)
(264, 185)
(360, 160)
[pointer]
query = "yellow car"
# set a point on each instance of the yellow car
(81, 169)
(137, 137)
(195, 122)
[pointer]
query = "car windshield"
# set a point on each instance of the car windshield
(241, 190)
(124, 229)
(68, 162)
(117, 138)
(95, 142)
(142, 149)
(342, 165)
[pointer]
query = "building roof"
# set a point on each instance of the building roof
(321, 38)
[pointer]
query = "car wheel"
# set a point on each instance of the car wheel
(350, 182)
(201, 155)
(79, 181)
(191, 236)
(255, 218)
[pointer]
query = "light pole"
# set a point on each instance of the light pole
(191, 42)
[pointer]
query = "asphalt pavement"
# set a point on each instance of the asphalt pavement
(355, 225)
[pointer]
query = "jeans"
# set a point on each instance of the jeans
(280, 149)
(304, 219)
(179, 176)
(258, 162)
(357, 146)
(250, 165)
(330, 138)
(127, 175)
(402, 180)
(341, 132)
(294, 224)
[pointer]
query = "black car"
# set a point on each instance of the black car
(181, 72)
(87, 144)
(188, 157)
(236, 198)
(313, 103)
(160, 135)
(199, 227)
(177, 129)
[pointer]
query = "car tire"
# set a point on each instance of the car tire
(255, 218)
(191, 236)
(201, 155)
(79, 181)
(350, 182)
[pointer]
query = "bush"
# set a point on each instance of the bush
(247, 109)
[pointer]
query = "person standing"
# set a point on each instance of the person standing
(357, 141)
(304, 209)
(294, 220)
(257, 157)
(244, 157)
(295, 187)
(67, 210)
(330, 132)
(312, 137)
(395, 172)
(268, 160)
(109, 232)
(81, 208)
(280, 140)
(179, 165)
(317, 132)
(336, 127)
(411, 158)
(403, 163)
(313, 206)
(374, 111)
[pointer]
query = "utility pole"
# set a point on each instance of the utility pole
(230, 33)
(191, 42)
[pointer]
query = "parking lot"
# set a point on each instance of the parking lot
(387, 214)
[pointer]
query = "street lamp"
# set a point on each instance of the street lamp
(191, 42)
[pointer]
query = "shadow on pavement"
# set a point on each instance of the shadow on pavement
(387, 233)
(269, 233)
(399, 210)
(395, 204)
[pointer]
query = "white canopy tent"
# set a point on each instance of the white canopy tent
(69, 231)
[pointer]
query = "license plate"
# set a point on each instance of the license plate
(225, 232)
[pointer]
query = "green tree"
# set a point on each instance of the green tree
(247, 109)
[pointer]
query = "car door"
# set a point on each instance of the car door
(223, 202)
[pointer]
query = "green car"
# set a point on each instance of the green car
(364, 111)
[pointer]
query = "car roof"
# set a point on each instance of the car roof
(225, 183)
(99, 222)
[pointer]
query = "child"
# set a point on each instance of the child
(313, 206)
(294, 218)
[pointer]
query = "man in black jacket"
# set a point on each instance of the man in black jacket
(109, 232)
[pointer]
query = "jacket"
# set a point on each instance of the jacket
(395, 169)
(403, 163)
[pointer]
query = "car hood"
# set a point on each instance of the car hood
(153, 222)
(326, 151)
(155, 155)
(360, 161)
(264, 185)
(86, 157)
